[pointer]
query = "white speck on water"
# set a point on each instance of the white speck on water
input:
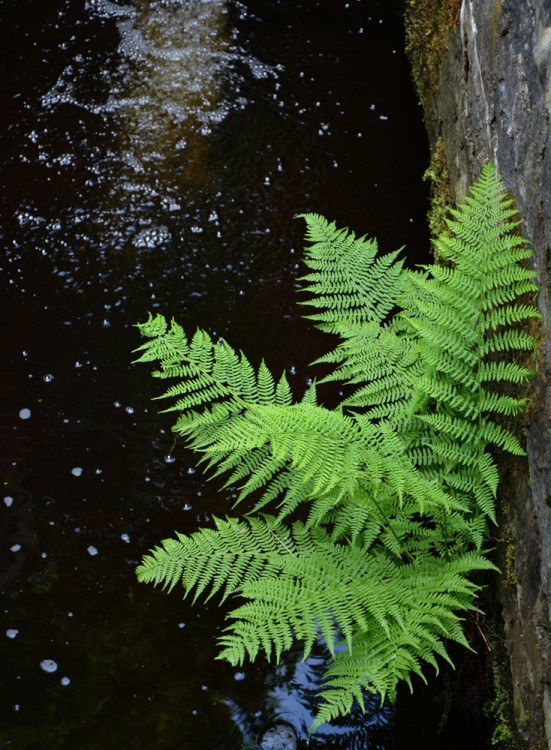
(92, 551)
(48, 665)
(76, 471)
(8, 501)
(129, 410)
(12, 633)
(117, 404)
(48, 378)
(65, 681)
(181, 625)
(383, 117)
(125, 538)
(15, 547)
(16, 707)
(24, 414)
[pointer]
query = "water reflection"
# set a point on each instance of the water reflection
(292, 701)
(155, 154)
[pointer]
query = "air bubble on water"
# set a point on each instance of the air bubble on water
(187, 506)
(292, 370)
(48, 665)
(12, 633)
(92, 551)
(191, 470)
(24, 414)
(129, 410)
(239, 676)
(117, 404)
(169, 458)
(125, 538)
(48, 378)
(65, 681)
(181, 625)
(8, 501)
(77, 471)
(15, 548)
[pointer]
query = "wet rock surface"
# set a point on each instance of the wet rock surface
(493, 103)
(280, 736)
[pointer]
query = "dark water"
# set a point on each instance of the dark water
(154, 154)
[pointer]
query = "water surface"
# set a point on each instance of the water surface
(154, 155)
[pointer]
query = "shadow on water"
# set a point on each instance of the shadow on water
(154, 155)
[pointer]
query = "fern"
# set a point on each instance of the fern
(395, 487)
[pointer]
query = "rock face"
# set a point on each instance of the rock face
(493, 102)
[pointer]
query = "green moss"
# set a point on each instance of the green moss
(429, 24)
(499, 709)
(440, 192)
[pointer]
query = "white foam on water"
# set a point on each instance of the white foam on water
(48, 665)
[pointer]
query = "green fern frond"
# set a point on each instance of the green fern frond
(347, 280)
(394, 488)
(435, 594)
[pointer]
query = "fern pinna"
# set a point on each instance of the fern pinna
(394, 487)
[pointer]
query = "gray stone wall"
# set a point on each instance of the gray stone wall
(493, 102)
